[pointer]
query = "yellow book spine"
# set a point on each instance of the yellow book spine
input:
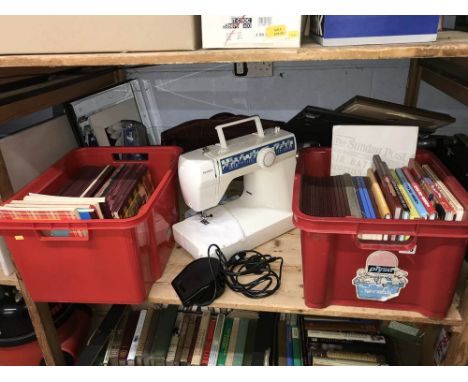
(413, 212)
(382, 206)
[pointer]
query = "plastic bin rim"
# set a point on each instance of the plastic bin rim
(97, 224)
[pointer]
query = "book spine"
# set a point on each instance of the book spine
(136, 338)
(295, 337)
(343, 196)
(114, 353)
(216, 340)
(232, 342)
(379, 197)
(143, 338)
(445, 210)
(151, 337)
(354, 356)
(303, 340)
(289, 342)
(188, 340)
(431, 211)
(387, 189)
(201, 338)
(351, 196)
(412, 194)
(174, 340)
(194, 340)
(110, 342)
(456, 206)
(208, 342)
(324, 361)
(183, 334)
(127, 337)
(367, 199)
(129, 183)
(240, 343)
(163, 336)
(401, 199)
(412, 209)
(351, 336)
(226, 335)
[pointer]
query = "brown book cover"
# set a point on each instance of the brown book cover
(387, 188)
(188, 340)
(344, 198)
(127, 337)
(282, 344)
(117, 340)
(144, 337)
(332, 195)
(150, 338)
(105, 188)
(342, 327)
(114, 191)
(320, 205)
(80, 181)
(309, 195)
(125, 189)
(183, 334)
(341, 211)
(97, 183)
(194, 339)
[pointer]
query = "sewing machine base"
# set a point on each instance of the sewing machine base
(229, 229)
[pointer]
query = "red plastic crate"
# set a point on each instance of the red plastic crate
(332, 254)
(120, 259)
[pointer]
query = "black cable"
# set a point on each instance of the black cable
(240, 265)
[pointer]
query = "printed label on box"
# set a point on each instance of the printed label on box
(381, 279)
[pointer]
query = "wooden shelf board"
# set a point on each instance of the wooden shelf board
(448, 44)
(8, 280)
(289, 298)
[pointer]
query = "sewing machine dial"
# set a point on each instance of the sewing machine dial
(266, 157)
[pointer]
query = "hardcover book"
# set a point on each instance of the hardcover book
(201, 338)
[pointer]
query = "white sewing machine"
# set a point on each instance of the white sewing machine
(267, 160)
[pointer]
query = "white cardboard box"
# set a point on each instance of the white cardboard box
(248, 31)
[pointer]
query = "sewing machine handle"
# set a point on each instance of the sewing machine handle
(222, 138)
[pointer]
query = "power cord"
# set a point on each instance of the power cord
(240, 265)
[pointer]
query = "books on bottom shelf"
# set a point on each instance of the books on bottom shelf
(174, 336)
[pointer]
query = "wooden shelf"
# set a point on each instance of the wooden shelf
(448, 44)
(8, 280)
(289, 298)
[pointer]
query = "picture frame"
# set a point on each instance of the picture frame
(394, 113)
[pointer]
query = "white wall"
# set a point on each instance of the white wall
(185, 92)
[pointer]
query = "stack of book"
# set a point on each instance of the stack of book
(333, 341)
(94, 192)
(173, 336)
(411, 192)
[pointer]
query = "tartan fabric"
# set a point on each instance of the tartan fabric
(32, 214)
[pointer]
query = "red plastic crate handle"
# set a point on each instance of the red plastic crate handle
(386, 245)
(42, 237)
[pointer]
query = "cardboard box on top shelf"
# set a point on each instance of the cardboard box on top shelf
(98, 34)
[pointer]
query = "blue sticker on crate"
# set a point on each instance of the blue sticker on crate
(249, 157)
(381, 279)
